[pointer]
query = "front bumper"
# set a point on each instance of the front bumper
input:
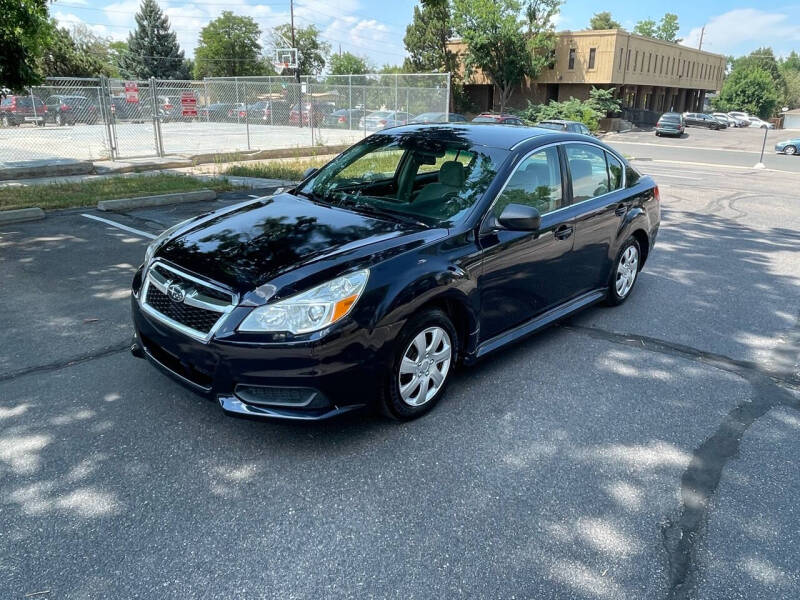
(336, 374)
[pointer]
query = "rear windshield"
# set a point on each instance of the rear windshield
(484, 120)
(674, 118)
(556, 126)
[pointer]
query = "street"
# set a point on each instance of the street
(646, 451)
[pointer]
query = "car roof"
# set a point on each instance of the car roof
(479, 134)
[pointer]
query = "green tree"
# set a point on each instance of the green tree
(750, 89)
(791, 62)
(348, 64)
(646, 27)
(668, 28)
(153, 49)
(229, 47)
(497, 43)
(65, 58)
(604, 102)
(312, 52)
(571, 110)
(427, 36)
(25, 33)
(603, 20)
(98, 47)
(764, 58)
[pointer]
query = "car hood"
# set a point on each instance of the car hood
(257, 242)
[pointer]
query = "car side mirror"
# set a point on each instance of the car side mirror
(520, 217)
(309, 172)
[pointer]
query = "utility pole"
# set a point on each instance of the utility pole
(297, 68)
(702, 32)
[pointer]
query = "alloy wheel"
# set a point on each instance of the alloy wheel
(627, 268)
(790, 150)
(425, 365)
(5, 121)
(59, 120)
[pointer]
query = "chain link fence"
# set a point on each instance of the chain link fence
(109, 119)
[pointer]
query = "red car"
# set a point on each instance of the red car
(317, 109)
(16, 110)
(503, 119)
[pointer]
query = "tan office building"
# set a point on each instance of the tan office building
(647, 74)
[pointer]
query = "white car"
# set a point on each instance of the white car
(756, 122)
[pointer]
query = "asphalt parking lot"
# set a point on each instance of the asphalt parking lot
(645, 451)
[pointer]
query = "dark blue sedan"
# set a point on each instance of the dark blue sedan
(420, 248)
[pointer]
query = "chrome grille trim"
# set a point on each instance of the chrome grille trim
(194, 298)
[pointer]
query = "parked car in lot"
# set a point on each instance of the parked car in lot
(670, 123)
(439, 117)
(791, 146)
(313, 112)
(68, 110)
(381, 119)
(562, 125)
(134, 112)
(724, 119)
(504, 119)
(16, 110)
(237, 112)
(742, 118)
(344, 118)
(756, 122)
(413, 251)
(691, 119)
(217, 112)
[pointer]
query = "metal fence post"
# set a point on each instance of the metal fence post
(156, 118)
(246, 114)
(447, 96)
(350, 102)
(205, 93)
(105, 113)
(396, 75)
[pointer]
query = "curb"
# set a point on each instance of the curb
(21, 215)
(52, 170)
(160, 200)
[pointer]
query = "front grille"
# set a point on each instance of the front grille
(184, 302)
(197, 318)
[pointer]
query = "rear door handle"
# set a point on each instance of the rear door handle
(620, 210)
(563, 232)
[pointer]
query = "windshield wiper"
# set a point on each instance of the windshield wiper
(367, 207)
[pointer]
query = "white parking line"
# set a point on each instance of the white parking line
(149, 236)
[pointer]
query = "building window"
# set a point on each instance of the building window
(571, 58)
(635, 60)
(649, 60)
(628, 61)
(592, 55)
(621, 50)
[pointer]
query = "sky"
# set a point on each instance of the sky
(375, 29)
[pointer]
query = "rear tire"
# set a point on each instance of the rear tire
(426, 351)
(625, 272)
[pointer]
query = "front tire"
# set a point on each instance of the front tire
(625, 272)
(790, 150)
(426, 351)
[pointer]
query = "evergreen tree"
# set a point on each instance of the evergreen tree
(153, 49)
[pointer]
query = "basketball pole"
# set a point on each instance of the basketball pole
(297, 68)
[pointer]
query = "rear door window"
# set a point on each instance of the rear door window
(589, 171)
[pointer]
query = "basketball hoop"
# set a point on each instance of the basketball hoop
(285, 58)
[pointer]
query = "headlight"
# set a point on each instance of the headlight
(312, 310)
(148, 254)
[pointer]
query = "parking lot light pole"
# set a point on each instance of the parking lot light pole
(760, 163)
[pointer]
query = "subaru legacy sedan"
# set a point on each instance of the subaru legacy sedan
(419, 249)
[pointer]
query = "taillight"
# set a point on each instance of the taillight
(657, 194)
(64, 107)
(382, 122)
(342, 120)
(241, 113)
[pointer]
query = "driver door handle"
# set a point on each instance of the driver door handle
(620, 210)
(563, 232)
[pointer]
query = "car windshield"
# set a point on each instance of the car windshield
(484, 120)
(379, 114)
(546, 125)
(434, 181)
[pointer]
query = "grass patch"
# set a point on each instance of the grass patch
(88, 192)
(290, 170)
